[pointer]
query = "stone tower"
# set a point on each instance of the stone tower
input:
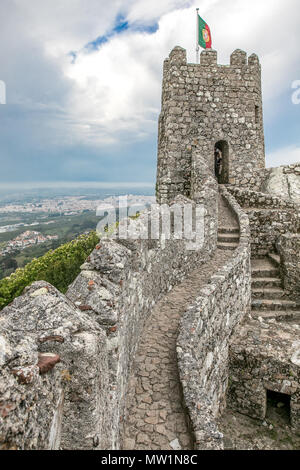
(207, 106)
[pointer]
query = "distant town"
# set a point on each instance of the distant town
(71, 205)
(31, 224)
(67, 206)
(25, 240)
(12, 227)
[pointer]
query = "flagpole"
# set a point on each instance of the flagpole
(197, 37)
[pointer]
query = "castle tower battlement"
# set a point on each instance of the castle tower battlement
(207, 106)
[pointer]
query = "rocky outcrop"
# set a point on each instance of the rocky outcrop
(52, 379)
(284, 182)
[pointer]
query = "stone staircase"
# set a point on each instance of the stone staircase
(269, 300)
(228, 227)
(228, 238)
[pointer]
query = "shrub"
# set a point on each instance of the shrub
(59, 267)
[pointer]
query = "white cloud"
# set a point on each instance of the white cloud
(283, 156)
(113, 95)
(119, 85)
(144, 12)
(65, 25)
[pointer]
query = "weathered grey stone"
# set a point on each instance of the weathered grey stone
(217, 103)
(264, 359)
(203, 341)
(52, 358)
(270, 218)
(288, 246)
(284, 182)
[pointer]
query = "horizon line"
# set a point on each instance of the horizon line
(75, 184)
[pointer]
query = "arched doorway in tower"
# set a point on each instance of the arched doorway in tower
(221, 153)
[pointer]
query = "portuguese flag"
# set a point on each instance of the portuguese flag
(204, 36)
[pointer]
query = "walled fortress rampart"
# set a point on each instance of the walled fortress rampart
(77, 401)
(205, 331)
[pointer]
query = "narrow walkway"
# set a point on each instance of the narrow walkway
(226, 217)
(155, 418)
(228, 230)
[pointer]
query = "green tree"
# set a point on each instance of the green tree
(59, 267)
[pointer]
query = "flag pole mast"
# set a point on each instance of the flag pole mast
(197, 36)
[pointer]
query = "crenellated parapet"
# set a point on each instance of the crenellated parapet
(208, 57)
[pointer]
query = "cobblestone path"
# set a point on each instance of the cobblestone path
(155, 418)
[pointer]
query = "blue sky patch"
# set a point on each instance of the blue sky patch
(121, 25)
(74, 56)
(96, 44)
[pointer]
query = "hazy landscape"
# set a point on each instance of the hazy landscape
(52, 216)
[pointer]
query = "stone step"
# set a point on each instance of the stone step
(228, 237)
(264, 272)
(279, 315)
(270, 293)
(275, 259)
(266, 282)
(227, 246)
(273, 305)
(229, 230)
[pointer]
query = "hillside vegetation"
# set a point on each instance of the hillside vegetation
(59, 267)
(67, 228)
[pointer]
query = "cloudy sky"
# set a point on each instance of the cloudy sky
(83, 80)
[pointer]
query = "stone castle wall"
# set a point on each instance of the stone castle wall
(255, 180)
(205, 331)
(248, 198)
(292, 169)
(201, 105)
(264, 356)
(129, 277)
(288, 247)
(270, 217)
(282, 182)
(53, 376)
(92, 334)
